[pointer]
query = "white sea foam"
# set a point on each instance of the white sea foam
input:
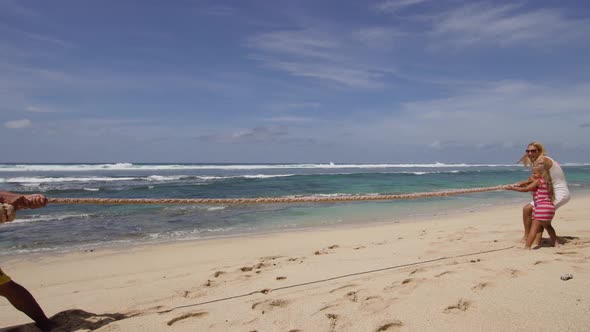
(331, 195)
(34, 218)
(162, 178)
(191, 208)
(37, 180)
(253, 176)
(266, 176)
(187, 234)
(129, 166)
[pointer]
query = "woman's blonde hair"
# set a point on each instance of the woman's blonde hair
(526, 160)
(547, 178)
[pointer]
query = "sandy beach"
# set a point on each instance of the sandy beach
(464, 272)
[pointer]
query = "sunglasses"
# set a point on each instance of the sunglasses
(531, 151)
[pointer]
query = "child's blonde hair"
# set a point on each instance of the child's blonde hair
(547, 178)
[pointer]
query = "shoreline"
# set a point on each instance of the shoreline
(352, 224)
(498, 288)
(416, 218)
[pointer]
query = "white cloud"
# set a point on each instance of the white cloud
(272, 134)
(497, 114)
(39, 109)
(323, 54)
(393, 6)
(507, 97)
(15, 8)
(483, 23)
(382, 37)
(17, 124)
(307, 43)
(351, 77)
(47, 39)
(218, 10)
(290, 119)
(294, 106)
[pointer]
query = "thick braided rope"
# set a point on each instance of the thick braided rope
(266, 200)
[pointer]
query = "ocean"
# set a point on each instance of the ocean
(61, 228)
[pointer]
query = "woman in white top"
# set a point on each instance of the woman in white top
(535, 154)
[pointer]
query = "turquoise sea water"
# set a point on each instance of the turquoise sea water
(76, 227)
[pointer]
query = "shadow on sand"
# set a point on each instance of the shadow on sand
(72, 320)
(562, 240)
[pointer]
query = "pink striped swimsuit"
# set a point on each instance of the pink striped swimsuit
(544, 208)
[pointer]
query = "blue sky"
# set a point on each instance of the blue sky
(293, 81)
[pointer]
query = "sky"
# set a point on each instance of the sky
(343, 81)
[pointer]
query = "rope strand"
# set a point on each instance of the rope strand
(272, 200)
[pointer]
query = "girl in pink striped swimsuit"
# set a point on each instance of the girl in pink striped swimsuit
(543, 210)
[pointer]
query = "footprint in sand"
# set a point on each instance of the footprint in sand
(191, 294)
(326, 307)
(333, 320)
(343, 287)
(186, 316)
(407, 281)
(513, 273)
(455, 237)
(352, 296)
(270, 258)
(326, 250)
(481, 286)
(375, 304)
(461, 305)
(269, 305)
(443, 273)
(409, 285)
(567, 253)
(390, 326)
